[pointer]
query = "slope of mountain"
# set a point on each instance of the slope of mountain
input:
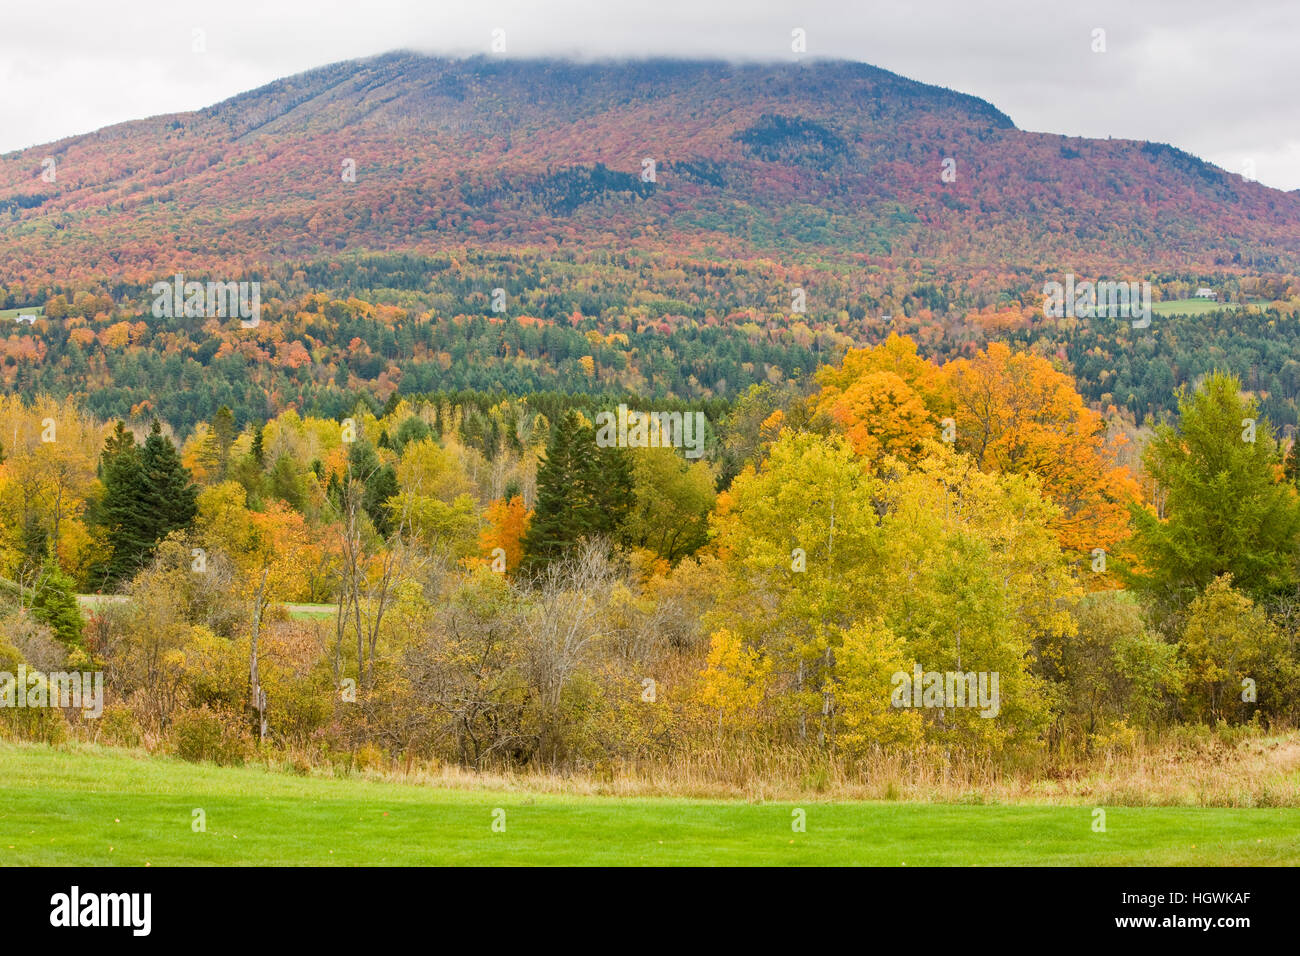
(380, 204)
(764, 162)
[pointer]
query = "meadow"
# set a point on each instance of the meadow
(294, 612)
(1190, 307)
(84, 805)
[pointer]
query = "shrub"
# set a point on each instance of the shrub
(36, 724)
(118, 726)
(206, 734)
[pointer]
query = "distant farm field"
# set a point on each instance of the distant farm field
(1194, 307)
(101, 807)
(10, 314)
(1190, 306)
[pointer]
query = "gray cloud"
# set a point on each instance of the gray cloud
(1215, 79)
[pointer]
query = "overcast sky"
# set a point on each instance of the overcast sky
(1219, 79)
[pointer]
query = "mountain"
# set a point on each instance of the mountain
(812, 160)
(419, 225)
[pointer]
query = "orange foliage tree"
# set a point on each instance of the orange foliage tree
(1016, 413)
(507, 523)
(887, 399)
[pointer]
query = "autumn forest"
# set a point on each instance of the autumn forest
(380, 525)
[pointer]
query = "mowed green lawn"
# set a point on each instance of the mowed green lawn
(103, 808)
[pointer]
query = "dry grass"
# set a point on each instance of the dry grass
(1198, 768)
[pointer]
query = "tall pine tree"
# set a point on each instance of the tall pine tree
(223, 433)
(147, 495)
(555, 525)
(168, 485)
(1290, 464)
(123, 511)
(379, 485)
(583, 491)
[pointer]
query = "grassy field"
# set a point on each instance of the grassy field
(1196, 306)
(101, 807)
(9, 314)
(311, 612)
(1189, 306)
(296, 612)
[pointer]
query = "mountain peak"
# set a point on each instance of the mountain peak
(406, 151)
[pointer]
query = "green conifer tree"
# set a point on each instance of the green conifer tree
(223, 432)
(54, 603)
(148, 494)
(583, 492)
(123, 510)
(555, 525)
(169, 488)
(1225, 509)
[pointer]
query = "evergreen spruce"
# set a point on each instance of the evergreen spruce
(168, 485)
(582, 492)
(54, 603)
(223, 432)
(123, 510)
(1291, 464)
(147, 495)
(379, 484)
(554, 526)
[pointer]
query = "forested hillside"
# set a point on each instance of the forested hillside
(410, 326)
(457, 272)
(412, 152)
(670, 229)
